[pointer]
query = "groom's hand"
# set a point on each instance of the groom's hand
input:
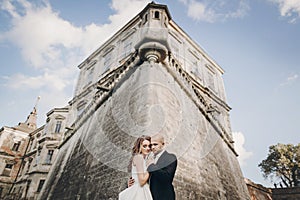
(130, 182)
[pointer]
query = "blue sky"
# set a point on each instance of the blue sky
(256, 42)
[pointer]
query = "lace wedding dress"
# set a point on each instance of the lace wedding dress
(136, 192)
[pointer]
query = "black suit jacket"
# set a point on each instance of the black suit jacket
(161, 177)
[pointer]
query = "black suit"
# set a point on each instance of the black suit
(161, 177)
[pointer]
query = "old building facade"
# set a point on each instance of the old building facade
(27, 154)
(13, 143)
(39, 155)
(149, 77)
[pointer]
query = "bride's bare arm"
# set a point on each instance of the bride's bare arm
(142, 175)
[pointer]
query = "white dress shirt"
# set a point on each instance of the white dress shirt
(157, 156)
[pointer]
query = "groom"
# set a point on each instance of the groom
(162, 170)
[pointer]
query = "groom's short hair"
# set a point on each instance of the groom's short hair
(159, 137)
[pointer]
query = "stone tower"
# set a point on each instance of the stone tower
(150, 77)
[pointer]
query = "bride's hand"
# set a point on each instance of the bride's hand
(130, 182)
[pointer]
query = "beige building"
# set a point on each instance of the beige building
(13, 144)
(27, 154)
(39, 155)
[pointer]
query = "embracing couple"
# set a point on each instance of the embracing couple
(152, 169)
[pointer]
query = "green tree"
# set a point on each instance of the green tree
(283, 162)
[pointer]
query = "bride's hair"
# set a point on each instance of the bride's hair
(136, 149)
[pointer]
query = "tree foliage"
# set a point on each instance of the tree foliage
(283, 162)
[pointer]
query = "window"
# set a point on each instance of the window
(40, 185)
(80, 107)
(89, 76)
(193, 64)
(126, 42)
(49, 156)
(37, 159)
(176, 44)
(196, 70)
(127, 47)
(7, 169)
(107, 61)
(156, 15)
(29, 164)
(58, 126)
(16, 146)
(210, 80)
(9, 166)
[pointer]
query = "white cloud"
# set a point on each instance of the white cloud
(45, 81)
(199, 11)
(290, 80)
(42, 34)
(219, 10)
(289, 8)
(48, 42)
(53, 47)
(45, 39)
(7, 5)
(239, 140)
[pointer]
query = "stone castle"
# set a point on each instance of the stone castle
(149, 77)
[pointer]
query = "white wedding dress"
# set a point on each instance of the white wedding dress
(136, 192)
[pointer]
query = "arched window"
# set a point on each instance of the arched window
(58, 127)
(156, 15)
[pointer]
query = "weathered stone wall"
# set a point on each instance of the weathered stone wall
(93, 163)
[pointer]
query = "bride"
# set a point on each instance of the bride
(140, 189)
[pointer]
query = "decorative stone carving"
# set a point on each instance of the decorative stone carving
(153, 52)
